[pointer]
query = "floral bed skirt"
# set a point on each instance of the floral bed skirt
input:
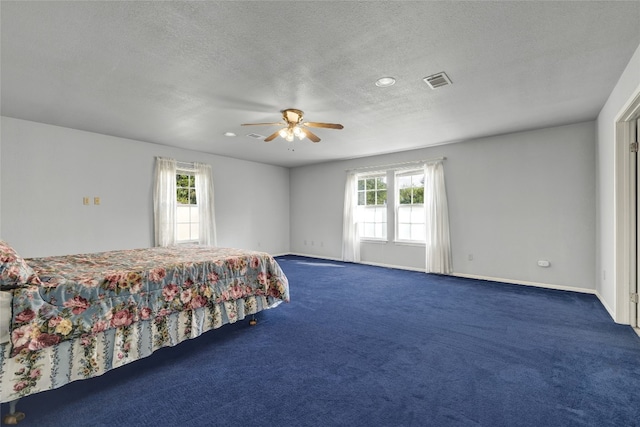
(92, 355)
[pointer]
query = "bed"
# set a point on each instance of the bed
(69, 318)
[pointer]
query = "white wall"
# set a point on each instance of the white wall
(625, 89)
(47, 170)
(514, 199)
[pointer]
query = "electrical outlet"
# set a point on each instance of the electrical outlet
(470, 257)
(96, 200)
(85, 200)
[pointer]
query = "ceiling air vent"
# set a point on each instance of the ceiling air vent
(437, 80)
(256, 136)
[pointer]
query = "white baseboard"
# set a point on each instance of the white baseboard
(397, 267)
(315, 256)
(473, 276)
(606, 307)
(375, 264)
(282, 254)
(526, 283)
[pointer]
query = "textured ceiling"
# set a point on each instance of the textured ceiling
(183, 73)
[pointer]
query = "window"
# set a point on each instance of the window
(417, 208)
(187, 218)
(372, 206)
(410, 214)
(178, 216)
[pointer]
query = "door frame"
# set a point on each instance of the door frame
(625, 215)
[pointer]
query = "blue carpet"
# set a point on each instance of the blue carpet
(370, 346)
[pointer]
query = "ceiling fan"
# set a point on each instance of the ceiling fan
(294, 126)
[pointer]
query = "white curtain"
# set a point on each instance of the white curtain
(438, 242)
(350, 234)
(164, 202)
(206, 212)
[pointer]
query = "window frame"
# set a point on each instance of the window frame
(191, 222)
(399, 173)
(382, 207)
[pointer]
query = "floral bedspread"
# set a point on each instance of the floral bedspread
(83, 295)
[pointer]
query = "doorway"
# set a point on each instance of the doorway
(628, 209)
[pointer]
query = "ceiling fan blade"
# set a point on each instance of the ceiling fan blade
(272, 136)
(262, 124)
(323, 125)
(312, 136)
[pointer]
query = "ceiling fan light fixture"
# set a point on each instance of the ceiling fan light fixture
(293, 122)
(385, 81)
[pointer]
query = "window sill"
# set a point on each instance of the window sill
(408, 243)
(378, 241)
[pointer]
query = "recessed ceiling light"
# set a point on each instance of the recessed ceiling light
(229, 134)
(385, 81)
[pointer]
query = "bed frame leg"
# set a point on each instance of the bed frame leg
(253, 321)
(13, 417)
